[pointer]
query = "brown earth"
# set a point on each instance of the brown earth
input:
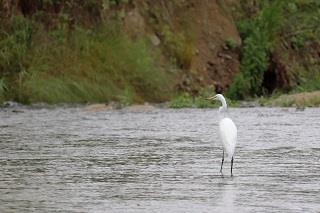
(214, 60)
(287, 66)
(207, 24)
(202, 26)
(189, 34)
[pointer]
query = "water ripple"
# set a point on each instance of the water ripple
(68, 159)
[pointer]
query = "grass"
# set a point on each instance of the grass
(311, 83)
(64, 62)
(306, 94)
(81, 66)
(180, 45)
(303, 99)
(3, 89)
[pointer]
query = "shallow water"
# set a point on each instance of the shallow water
(72, 160)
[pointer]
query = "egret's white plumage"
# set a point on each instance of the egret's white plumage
(228, 134)
(227, 130)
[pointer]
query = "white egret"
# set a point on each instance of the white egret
(227, 130)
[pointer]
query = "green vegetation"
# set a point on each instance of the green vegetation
(3, 88)
(259, 36)
(182, 49)
(186, 100)
(303, 22)
(302, 33)
(282, 27)
(304, 99)
(86, 51)
(230, 43)
(85, 65)
(182, 100)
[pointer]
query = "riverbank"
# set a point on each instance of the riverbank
(303, 99)
(297, 100)
(140, 51)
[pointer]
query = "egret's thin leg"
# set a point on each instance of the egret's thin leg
(231, 164)
(222, 160)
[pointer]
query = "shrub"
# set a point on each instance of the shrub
(185, 100)
(201, 100)
(230, 43)
(180, 45)
(259, 36)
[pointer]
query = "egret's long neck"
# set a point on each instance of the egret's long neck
(223, 108)
(224, 104)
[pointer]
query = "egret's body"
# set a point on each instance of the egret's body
(228, 135)
(227, 131)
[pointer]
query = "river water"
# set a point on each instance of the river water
(69, 159)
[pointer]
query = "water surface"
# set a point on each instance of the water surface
(163, 160)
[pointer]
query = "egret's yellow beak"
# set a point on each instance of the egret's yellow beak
(212, 98)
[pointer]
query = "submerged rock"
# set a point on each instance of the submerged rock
(140, 108)
(10, 104)
(101, 107)
(249, 104)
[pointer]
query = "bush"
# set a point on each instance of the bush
(240, 87)
(201, 100)
(230, 43)
(181, 47)
(185, 100)
(259, 36)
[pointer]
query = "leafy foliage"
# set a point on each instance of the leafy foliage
(230, 43)
(264, 25)
(302, 22)
(259, 36)
(185, 100)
